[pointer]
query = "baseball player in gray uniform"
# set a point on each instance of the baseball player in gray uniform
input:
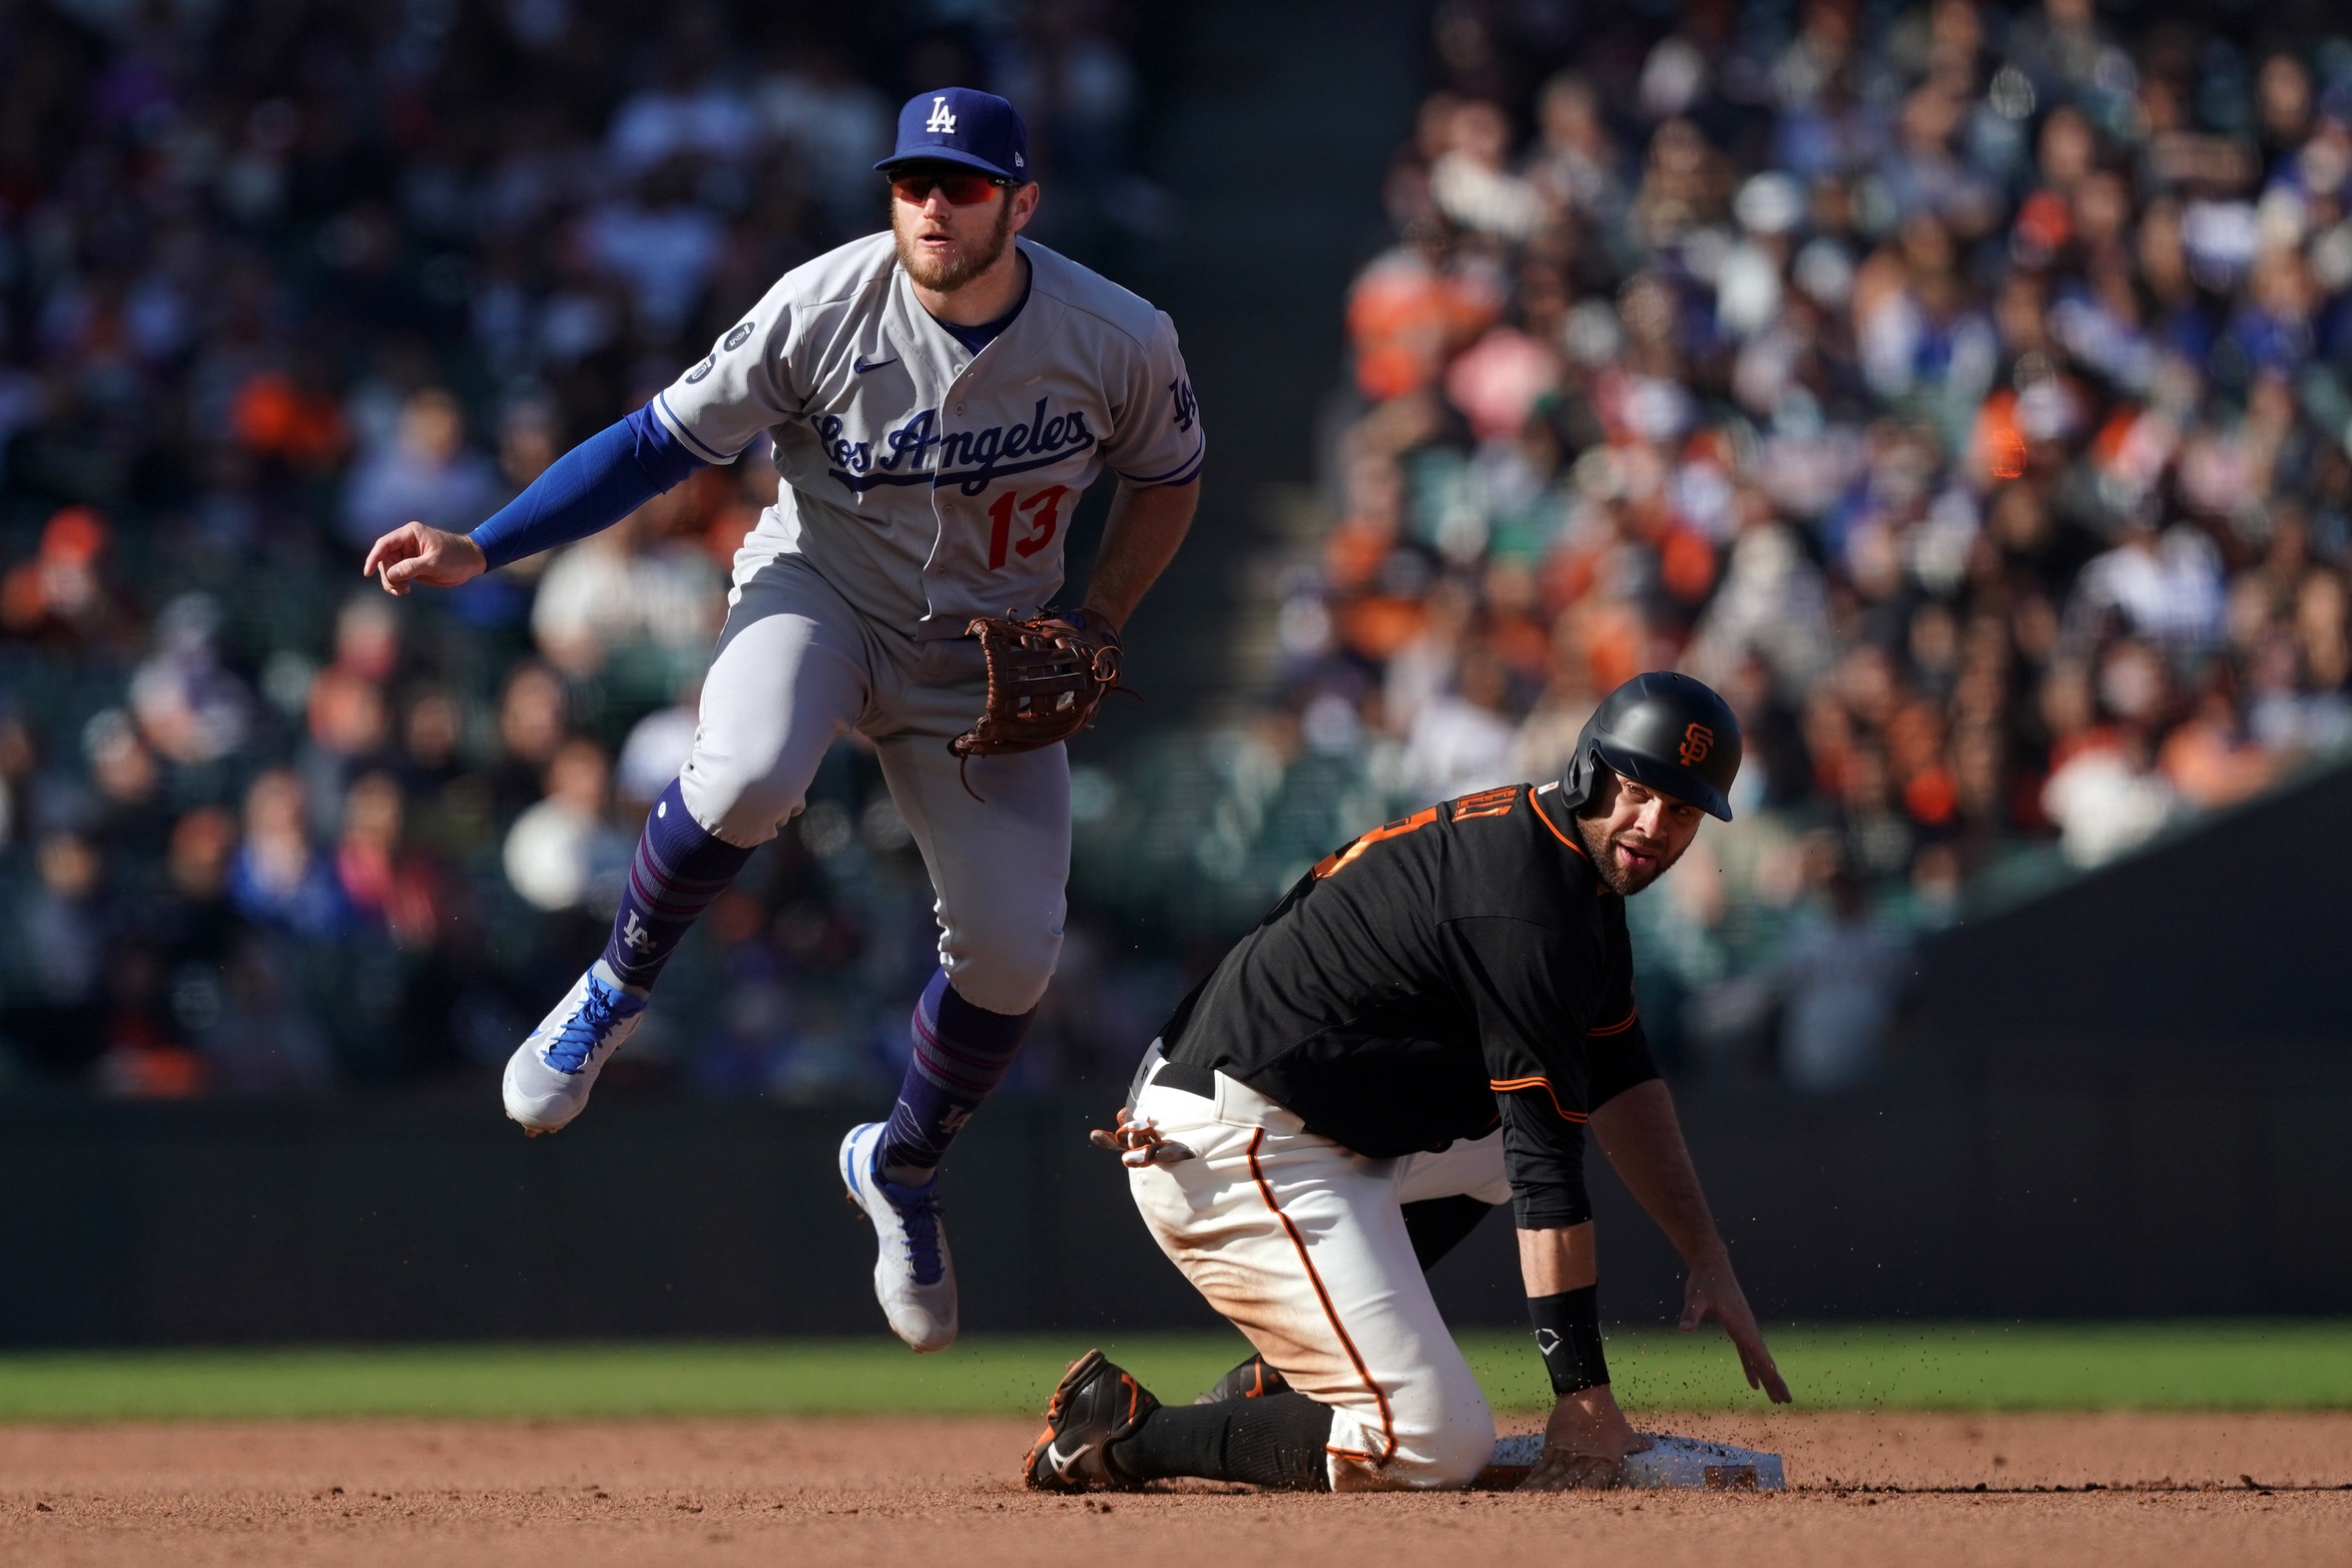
(938, 399)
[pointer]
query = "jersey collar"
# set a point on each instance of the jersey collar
(1033, 325)
(1031, 344)
(1570, 840)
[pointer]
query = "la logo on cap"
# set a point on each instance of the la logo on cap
(943, 121)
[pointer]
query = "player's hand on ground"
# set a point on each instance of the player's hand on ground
(1713, 1292)
(1584, 1444)
(414, 553)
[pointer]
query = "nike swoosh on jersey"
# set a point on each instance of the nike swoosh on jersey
(1061, 1466)
(862, 364)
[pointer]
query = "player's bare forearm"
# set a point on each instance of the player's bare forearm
(1141, 536)
(1642, 1137)
(1558, 1258)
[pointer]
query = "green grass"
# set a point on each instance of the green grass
(1961, 1366)
(2240, 1365)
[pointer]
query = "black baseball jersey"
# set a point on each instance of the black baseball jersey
(1460, 966)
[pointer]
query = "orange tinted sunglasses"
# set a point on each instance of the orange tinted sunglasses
(961, 187)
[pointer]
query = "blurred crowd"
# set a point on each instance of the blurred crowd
(278, 275)
(1962, 390)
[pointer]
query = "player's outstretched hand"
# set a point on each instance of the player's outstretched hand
(1584, 1444)
(414, 553)
(1713, 1292)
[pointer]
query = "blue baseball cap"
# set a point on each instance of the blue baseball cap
(958, 125)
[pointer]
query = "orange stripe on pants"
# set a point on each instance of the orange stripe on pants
(1330, 1313)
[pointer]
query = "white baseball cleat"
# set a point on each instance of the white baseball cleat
(914, 1279)
(551, 1072)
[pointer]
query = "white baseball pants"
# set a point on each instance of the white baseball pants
(1301, 1243)
(798, 666)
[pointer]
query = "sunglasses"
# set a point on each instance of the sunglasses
(961, 187)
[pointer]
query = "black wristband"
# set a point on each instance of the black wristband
(1567, 1331)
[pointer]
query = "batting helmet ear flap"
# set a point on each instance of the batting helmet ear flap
(1583, 774)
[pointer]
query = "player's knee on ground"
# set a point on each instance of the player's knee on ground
(1452, 1456)
(1003, 960)
(1444, 1432)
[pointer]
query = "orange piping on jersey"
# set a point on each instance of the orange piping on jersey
(1506, 1085)
(1619, 1027)
(1298, 1242)
(1545, 818)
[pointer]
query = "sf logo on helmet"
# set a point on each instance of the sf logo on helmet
(1697, 740)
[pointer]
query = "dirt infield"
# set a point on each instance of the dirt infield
(1892, 1489)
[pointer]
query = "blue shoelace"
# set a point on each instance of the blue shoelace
(581, 1033)
(918, 1220)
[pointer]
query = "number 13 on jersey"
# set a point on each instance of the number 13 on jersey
(1040, 518)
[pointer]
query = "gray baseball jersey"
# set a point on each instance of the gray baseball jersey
(926, 483)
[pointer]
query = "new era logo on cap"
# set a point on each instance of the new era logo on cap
(960, 125)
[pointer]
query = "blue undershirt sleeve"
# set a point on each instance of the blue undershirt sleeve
(590, 487)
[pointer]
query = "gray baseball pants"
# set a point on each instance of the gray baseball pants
(798, 666)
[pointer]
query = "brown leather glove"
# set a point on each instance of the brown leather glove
(1047, 678)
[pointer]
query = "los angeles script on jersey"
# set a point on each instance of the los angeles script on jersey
(917, 452)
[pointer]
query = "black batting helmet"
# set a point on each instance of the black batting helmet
(1666, 731)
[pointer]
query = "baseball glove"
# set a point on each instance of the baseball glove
(1047, 678)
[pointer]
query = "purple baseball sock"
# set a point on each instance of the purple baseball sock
(679, 871)
(960, 1053)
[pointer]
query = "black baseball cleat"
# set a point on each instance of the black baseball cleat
(1095, 1405)
(1252, 1379)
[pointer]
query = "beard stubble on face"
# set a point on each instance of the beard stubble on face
(1600, 846)
(970, 261)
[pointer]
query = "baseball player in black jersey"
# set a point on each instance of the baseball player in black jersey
(1423, 1027)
